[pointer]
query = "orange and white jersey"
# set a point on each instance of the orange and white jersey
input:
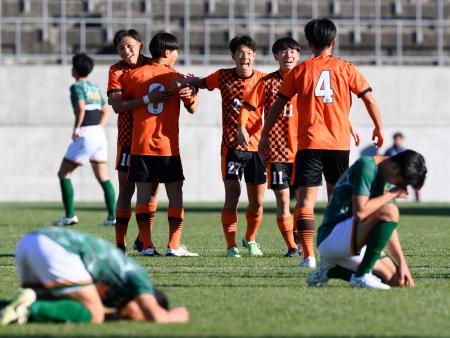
(323, 86)
(125, 119)
(234, 91)
(283, 135)
(155, 126)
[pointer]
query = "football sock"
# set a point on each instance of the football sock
(338, 272)
(110, 198)
(253, 222)
(378, 238)
(67, 196)
(304, 218)
(62, 310)
(229, 223)
(122, 219)
(152, 211)
(286, 225)
(143, 218)
(175, 217)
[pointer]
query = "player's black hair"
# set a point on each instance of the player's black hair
(285, 43)
(161, 42)
(126, 32)
(412, 167)
(244, 40)
(82, 64)
(320, 32)
(397, 135)
(161, 299)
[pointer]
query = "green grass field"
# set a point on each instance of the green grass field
(255, 297)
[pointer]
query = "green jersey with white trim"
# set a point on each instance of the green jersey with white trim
(123, 277)
(362, 178)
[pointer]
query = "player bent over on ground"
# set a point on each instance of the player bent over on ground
(283, 136)
(323, 86)
(235, 84)
(361, 220)
(71, 276)
(155, 154)
(89, 140)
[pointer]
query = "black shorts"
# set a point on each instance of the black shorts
(236, 162)
(311, 163)
(123, 158)
(146, 168)
(279, 175)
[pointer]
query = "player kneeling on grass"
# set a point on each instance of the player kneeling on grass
(361, 220)
(71, 276)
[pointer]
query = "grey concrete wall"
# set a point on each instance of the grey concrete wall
(36, 121)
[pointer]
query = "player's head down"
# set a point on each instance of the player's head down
(411, 168)
(320, 33)
(162, 42)
(82, 64)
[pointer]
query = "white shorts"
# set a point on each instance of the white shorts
(90, 146)
(46, 266)
(338, 248)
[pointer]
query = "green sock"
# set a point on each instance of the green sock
(67, 196)
(376, 242)
(63, 310)
(338, 272)
(110, 198)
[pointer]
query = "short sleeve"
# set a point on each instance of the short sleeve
(212, 80)
(114, 80)
(256, 97)
(289, 87)
(363, 177)
(358, 83)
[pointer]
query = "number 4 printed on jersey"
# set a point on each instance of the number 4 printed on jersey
(323, 87)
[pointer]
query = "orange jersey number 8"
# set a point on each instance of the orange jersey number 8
(154, 108)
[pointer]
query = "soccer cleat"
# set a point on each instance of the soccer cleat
(17, 310)
(122, 248)
(308, 262)
(252, 247)
(297, 241)
(233, 252)
(108, 222)
(368, 281)
(292, 253)
(150, 252)
(182, 251)
(319, 276)
(138, 245)
(66, 221)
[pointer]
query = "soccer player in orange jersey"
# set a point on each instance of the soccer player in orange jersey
(283, 136)
(323, 86)
(128, 44)
(155, 151)
(235, 84)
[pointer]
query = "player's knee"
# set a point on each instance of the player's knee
(389, 212)
(98, 317)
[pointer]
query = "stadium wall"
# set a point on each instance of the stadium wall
(36, 121)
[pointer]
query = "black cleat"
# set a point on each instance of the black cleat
(138, 245)
(122, 248)
(292, 253)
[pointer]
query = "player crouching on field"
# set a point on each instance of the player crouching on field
(361, 220)
(71, 276)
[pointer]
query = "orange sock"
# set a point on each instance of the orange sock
(304, 219)
(143, 221)
(253, 222)
(175, 217)
(152, 211)
(122, 219)
(229, 223)
(286, 226)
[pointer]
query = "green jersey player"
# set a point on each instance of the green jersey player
(72, 276)
(360, 221)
